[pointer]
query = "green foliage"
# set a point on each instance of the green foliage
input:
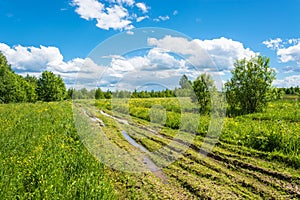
(108, 94)
(185, 83)
(275, 131)
(250, 86)
(203, 87)
(31, 87)
(99, 94)
(42, 156)
(51, 87)
(13, 87)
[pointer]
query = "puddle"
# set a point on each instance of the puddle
(133, 142)
(150, 165)
(115, 118)
(93, 118)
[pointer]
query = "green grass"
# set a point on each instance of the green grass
(45, 156)
(277, 130)
(42, 156)
(232, 170)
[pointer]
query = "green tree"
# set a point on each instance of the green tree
(108, 94)
(31, 87)
(185, 83)
(70, 93)
(251, 83)
(51, 87)
(13, 87)
(203, 87)
(99, 94)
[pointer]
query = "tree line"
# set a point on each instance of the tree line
(249, 89)
(15, 88)
(290, 90)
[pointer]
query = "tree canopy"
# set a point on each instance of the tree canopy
(51, 87)
(251, 83)
(203, 87)
(15, 88)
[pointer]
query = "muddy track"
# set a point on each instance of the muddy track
(246, 178)
(234, 162)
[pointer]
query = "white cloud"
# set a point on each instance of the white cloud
(291, 69)
(34, 60)
(31, 58)
(130, 32)
(155, 59)
(290, 81)
(164, 18)
(161, 18)
(167, 60)
(115, 16)
(112, 14)
(223, 52)
(288, 51)
(156, 66)
(288, 54)
(142, 7)
(127, 2)
(273, 43)
(175, 12)
(139, 19)
(88, 9)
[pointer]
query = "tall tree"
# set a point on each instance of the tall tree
(31, 87)
(51, 87)
(248, 89)
(203, 87)
(99, 94)
(13, 87)
(185, 83)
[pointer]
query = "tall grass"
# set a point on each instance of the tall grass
(41, 156)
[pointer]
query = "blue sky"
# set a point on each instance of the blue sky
(59, 35)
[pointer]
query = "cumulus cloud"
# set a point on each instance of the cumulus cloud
(139, 19)
(156, 66)
(127, 2)
(291, 69)
(273, 43)
(288, 54)
(161, 18)
(205, 53)
(33, 60)
(115, 16)
(166, 60)
(155, 60)
(290, 81)
(225, 52)
(164, 18)
(287, 51)
(142, 7)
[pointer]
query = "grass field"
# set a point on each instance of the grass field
(44, 157)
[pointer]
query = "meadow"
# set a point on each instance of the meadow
(43, 156)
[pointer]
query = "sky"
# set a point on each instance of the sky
(123, 44)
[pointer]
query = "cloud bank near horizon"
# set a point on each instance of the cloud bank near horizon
(168, 58)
